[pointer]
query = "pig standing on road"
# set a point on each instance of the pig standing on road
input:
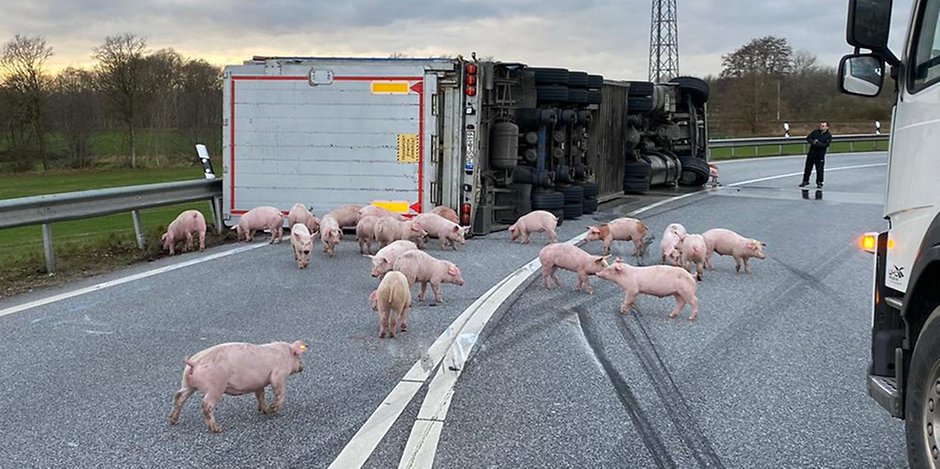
(728, 243)
(656, 280)
(301, 241)
(299, 214)
(330, 233)
(447, 213)
(384, 260)
(573, 258)
(261, 218)
(389, 229)
(421, 267)
(365, 233)
(693, 250)
(236, 369)
(533, 222)
(392, 300)
(671, 237)
(448, 232)
(347, 215)
(378, 212)
(183, 227)
(621, 229)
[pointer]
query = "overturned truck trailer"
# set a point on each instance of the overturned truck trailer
(492, 140)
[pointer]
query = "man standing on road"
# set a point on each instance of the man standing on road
(819, 140)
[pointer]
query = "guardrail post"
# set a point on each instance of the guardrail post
(48, 248)
(138, 229)
(780, 149)
(216, 204)
(851, 146)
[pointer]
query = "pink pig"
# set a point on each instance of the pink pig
(183, 227)
(365, 232)
(448, 232)
(447, 213)
(261, 218)
(299, 214)
(302, 243)
(392, 300)
(728, 243)
(384, 260)
(671, 237)
(330, 233)
(573, 258)
(378, 212)
(533, 222)
(693, 252)
(656, 280)
(236, 369)
(621, 229)
(421, 267)
(347, 215)
(389, 229)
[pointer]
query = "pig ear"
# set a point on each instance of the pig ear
(453, 270)
(600, 259)
(457, 229)
(298, 347)
(618, 260)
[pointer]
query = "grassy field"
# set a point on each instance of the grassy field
(793, 149)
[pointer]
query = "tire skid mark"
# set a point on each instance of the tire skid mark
(669, 394)
(641, 422)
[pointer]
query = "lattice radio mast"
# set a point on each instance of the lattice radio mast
(664, 42)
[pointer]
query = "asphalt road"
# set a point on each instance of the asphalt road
(770, 375)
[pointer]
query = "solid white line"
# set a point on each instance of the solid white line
(753, 159)
(781, 176)
(123, 280)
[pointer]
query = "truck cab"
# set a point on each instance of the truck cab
(904, 373)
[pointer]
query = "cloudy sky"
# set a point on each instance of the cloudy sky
(606, 37)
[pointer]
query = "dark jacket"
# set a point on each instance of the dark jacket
(819, 149)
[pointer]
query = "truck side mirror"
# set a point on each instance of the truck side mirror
(868, 24)
(861, 74)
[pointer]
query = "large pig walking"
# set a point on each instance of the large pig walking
(236, 369)
(534, 222)
(392, 300)
(573, 258)
(421, 267)
(384, 260)
(728, 243)
(621, 229)
(656, 280)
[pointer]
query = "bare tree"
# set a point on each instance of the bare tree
(163, 80)
(76, 107)
(763, 56)
(25, 89)
(200, 103)
(120, 76)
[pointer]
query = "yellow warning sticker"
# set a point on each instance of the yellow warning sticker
(390, 87)
(408, 148)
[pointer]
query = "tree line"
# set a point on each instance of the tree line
(151, 99)
(765, 83)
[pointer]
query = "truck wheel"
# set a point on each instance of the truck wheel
(922, 405)
(573, 210)
(590, 189)
(550, 76)
(594, 97)
(694, 172)
(573, 194)
(640, 88)
(547, 200)
(636, 185)
(595, 81)
(695, 87)
(590, 205)
(640, 104)
(521, 199)
(551, 94)
(577, 96)
(578, 79)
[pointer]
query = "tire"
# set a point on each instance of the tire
(550, 76)
(636, 185)
(578, 79)
(637, 170)
(590, 205)
(547, 200)
(595, 81)
(573, 194)
(640, 88)
(521, 199)
(594, 97)
(573, 210)
(640, 104)
(695, 87)
(551, 94)
(694, 172)
(590, 189)
(577, 96)
(922, 387)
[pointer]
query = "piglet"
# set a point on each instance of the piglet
(347, 215)
(261, 218)
(728, 243)
(389, 229)
(330, 233)
(693, 250)
(301, 241)
(421, 267)
(656, 280)
(533, 222)
(573, 258)
(365, 233)
(621, 229)
(236, 369)
(448, 232)
(299, 214)
(392, 300)
(384, 260)
(183, 227)
(671, 237)
(378, 212)
(447, 213)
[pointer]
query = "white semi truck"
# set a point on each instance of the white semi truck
(491, 140)
(904, 375)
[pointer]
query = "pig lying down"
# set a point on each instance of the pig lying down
(570, 257)
(236, 369)
(183, 227)
(392, 300)
(657, 280)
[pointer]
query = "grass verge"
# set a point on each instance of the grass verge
(718, 154)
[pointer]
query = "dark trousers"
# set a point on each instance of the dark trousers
(819, 162)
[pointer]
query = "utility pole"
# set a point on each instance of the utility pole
(664, 42)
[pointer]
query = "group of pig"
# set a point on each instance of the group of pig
(681, 252)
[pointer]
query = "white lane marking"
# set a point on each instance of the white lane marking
(800, 173)
(123, 280)
(784, 157)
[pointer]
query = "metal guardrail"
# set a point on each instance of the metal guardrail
(780, 142)
(47, 209)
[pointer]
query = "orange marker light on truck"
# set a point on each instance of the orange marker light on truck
(869, 242)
